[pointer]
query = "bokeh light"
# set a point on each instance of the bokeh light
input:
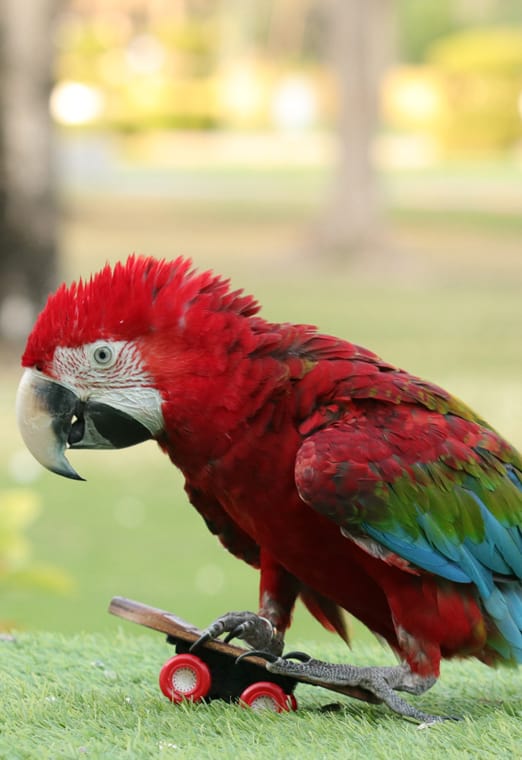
(75, 103)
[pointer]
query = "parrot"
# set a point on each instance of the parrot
(349, 483)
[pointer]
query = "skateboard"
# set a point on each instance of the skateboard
(213, 673)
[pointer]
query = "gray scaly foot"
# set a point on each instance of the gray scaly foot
(383, 682)
(256, 631)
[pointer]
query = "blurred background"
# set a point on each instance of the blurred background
(356, 164)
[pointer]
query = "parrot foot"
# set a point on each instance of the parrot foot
(255, 630)
(383, 682)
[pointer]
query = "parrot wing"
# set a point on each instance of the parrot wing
(424, 491)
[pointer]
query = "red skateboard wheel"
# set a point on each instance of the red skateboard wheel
(185, 676)
(265, 695)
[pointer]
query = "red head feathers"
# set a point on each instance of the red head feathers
(140, 296)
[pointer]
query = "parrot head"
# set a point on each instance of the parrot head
(105, 354)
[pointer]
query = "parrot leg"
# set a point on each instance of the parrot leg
(383, 682)
(256, 631)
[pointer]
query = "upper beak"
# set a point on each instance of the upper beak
(52, 417)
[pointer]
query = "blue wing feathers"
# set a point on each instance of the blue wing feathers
(513, 595)
(500, 607)
(493, 565)
(514, 476)
(500, 543)
(419, 553)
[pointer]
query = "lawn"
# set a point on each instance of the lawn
(96, 696)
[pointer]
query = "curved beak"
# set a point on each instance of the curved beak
(52, 417)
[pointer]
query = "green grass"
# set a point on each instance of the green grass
(96, 696)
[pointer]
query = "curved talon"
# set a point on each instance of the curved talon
(257, 631)
(301, 656)
(199, 642)
(257, 653)
(234, 633)
(435, 719)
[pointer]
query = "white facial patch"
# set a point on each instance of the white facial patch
(111, 372)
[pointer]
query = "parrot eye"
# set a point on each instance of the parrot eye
(104, 355)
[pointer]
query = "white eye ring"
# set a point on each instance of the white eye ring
(104, 355)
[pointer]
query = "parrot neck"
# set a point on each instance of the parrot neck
(227, 395)
(231, 381)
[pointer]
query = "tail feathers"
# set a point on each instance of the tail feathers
(484, 563)
(514, 601)
(329, 614)
(505, 607)
(503, 602)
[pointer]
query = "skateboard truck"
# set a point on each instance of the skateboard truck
(212, 673)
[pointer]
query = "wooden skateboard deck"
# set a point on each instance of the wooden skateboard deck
(170, 624)
(229, 679)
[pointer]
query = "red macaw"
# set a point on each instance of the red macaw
(348, 482)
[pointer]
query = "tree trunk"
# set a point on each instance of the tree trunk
(360, 45)
(27, 212)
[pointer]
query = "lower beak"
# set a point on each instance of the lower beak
(52, 418)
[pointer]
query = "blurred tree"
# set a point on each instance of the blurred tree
(287, 23)
(27, 215)
(360, 39)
